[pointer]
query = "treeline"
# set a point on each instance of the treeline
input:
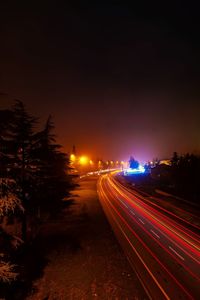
(34, 177)
(181, 176)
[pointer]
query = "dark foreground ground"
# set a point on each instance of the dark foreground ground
(84, 260)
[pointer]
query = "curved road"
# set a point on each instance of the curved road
(164, 252)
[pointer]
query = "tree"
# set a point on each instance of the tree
(5, 145)
(21, 136)
(7, 270)
(8, 204)
(52, 176)
(175, 159)
(35, 165)
(34, 177)
(9, 201)
(134, 164)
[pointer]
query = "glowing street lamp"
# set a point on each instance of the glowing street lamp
(83, 160)
(72, 158)
(91, 162)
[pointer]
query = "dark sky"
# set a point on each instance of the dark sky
(118, 79)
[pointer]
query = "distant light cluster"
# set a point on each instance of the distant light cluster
(139, 170)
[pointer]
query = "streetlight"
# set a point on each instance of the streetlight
(72, 158)
(83, 160)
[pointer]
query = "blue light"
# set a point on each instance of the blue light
(139, 170)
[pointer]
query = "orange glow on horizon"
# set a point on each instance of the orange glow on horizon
(83, 160)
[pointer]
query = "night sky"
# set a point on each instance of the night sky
(119, 80)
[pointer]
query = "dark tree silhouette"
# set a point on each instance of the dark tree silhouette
(134, 164)
(53, 180)
(5, 145)
(182, 177)
(34, 181)
(21, 137)
(36, 164)
(175, 158)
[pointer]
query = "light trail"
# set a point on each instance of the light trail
(166, 248)
(155, 234)
(140, 258)
(172, 242)
(136, 194)
(164, 221)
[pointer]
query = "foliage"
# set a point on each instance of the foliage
(7, 270)
(52, 180)
(9, 201)
(34, 178)
(175, 158)
(33, 165)
(134, 164)
(182, 177)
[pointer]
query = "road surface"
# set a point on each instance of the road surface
(164, 252)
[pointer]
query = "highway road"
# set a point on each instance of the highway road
(163, 250)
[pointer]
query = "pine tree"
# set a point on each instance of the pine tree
(21, 137)
(35, 165)
(9, 201)
(53, 181)
(7, 270)
(5, 145)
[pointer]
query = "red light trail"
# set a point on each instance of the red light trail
(164, 253)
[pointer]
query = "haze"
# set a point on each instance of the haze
(117, 80)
